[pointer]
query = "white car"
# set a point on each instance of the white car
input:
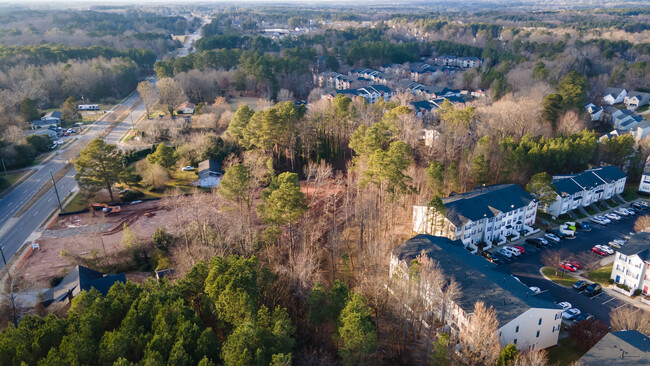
(619, 241)
(570, 313)
(552, 237)
(597, 221)
(187, 168)
(604, 219)
(505, 253)
(612, 216)
(614, 245)
(535, 289)
(606, 249)
(631, 211)
(516, 252)
(564, 305)
(621, 212)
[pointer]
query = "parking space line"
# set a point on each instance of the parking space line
(597, 295)
(613, 298)
(621, 306)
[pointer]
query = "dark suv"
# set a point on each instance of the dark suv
(593, 289)
(536, 242)
(490, 257)
(580, 285)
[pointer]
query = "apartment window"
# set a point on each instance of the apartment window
(515, 341)
(537, 336)
(539, 322)
(517, 329)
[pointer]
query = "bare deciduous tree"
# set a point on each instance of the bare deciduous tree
(479, 339)
(534, 357)
(630, 318)
(170, 94)
(148, 94)
(642, 224)
(571, 122)
(552, 258)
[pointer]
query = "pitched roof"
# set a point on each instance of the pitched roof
(53, 114)
(639, 244)
(479, 279)
(209, 165)
(566, 186)
(625, 347)
(80, 279)
(423, 105)
(608, 173)
(485, 202)
(588, 180)
(186, 105)
(613, 91)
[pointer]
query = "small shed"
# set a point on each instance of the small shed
(186, 108)
(210, 173)
(80, 279)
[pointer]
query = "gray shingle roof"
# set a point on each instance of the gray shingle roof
(566, 186)
(209, 167)
(485, 202)
(479, 279)
(571, 184)
(639, 245)
(625, 347)
(608, 173)
(82, 279)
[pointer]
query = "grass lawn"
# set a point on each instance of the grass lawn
(546, 217)
(562, 279)
(11, 178)
(565, 353)
(630, 193)
(611, 203)
(601, 275)
(591, 210)
(77, 203)
(236, 101)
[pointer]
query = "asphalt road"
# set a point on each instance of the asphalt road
(14, 231)
(527, 267)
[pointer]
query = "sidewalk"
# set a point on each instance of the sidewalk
(609, 291)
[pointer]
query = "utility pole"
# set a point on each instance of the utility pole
(5, 169)
(3, 255)
(56, 191)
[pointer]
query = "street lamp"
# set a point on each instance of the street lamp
(56, 191)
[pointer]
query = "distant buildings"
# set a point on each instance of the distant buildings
(525, 319)
(485, 214)
(632, 264)
(644, 184)
(625, 347)
(464, 62)
(50, 119)
(583, 189)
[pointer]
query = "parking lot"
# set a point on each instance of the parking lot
(527, 266)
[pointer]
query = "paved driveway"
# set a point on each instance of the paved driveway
(527, 267)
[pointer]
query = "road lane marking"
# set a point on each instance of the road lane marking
(613, 298)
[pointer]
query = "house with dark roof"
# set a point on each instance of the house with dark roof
(613, 95)
(636, 99)
(483, 215)
(594, 111)
(186, 108)
(209, 173)
(625, 347)
(370, 92)
(424, 108)
(525, 319)
(632, 264)
(81, 279)
(581, 190)
(53, 116)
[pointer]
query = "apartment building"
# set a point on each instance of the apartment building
(485, 214)
(583, 189)
(632, 264)
(525, 319)
(644, 184)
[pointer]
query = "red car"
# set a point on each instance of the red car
(575, 264)
(568, 266)
(599, 251)
(522, 250)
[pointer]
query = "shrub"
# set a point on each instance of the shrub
(611, 281)
(637, 292)
(161, 239)
(624, 287)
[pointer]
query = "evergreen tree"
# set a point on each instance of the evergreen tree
(357, 331)
(98, 166)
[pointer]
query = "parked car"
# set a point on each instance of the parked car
(580, 285)
(187, 168)
(521, 249)
(492, 258)
(564, 305)
(593, 289)
(621, 212)
(596, 249)
(575, 264)
(583, 316)
(612, 216)
(631, 211)
(598, 220)
(614, 245)
(512, 250)
(607, 249)
(639, 206)
(505, 253)
(535, 289)
(552, 237)
(619, 241)
(570, 314)
(567, 266)
(534, 242)
(557, 233)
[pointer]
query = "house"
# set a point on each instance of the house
(581, 190)
(209, 173)
(430, 136)
(479, 93)
(594, 111)
(81, 279)
(51, 133)
(466, 62)
(485, 214)
(186, 108)
(619, 116)
(424, 108)
(524, 318)
(614, 95)
(625, 347)
(644, 185)
(641, 130)
(636, 99)
(632, 264)
(370, 92)
(50, 123)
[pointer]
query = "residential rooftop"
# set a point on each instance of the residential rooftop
(625, 347)
(479, 279)
(639, 244)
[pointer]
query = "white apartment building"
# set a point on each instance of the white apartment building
(488, 214)
(525, 319)
(632, 264)
(581, 190)
(644, 185)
